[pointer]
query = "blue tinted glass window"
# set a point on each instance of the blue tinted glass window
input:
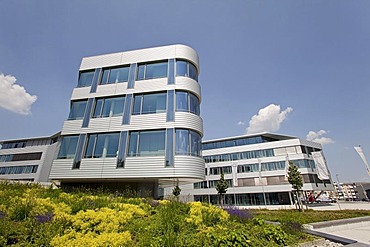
(152, 143)
(195, 143)
(181, 101)
(98, 108)
(182, 68)
(182, 142)
(104, 78)
(156, 70)
(109, 107)
(77, 110)
(137, 104)
(85, 79)
(90, 146)
(154, 103)
(134, 137)
(194, 104)
(113, 107)
(106, 145)
(68, 147)
(141, 72)
(193, 73)
(119, 75)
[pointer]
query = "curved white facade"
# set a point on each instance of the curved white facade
(134, 115)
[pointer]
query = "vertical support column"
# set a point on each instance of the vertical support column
(127, 110)
(171, 71)
(86, 120)
(122, 150)
(170, 105)
(79, 150)
(131, 76)
(95, 81)
(170, 147)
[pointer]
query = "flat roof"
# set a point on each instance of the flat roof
(31, 138)
(266, 134)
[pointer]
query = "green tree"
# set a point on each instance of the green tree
(176, 192)
(221, 188)
(295, 179)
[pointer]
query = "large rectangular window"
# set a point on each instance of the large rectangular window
(85, 79)
(188, 142)
(147, 143)
(102, 145)
(150, 103)
(18, 169)
(152, 70)
(77, 109)
(115, 75)
(109, 107)
(68, 147)
(187, 102)
(187, 69)
(20, 157)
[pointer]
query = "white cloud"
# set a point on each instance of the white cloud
(268, 119)
(14, 97)
(318, 137)
(241, 123)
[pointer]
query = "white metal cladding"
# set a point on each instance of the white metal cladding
(138, 56)
(184, 120)
(143, 86)
(135, 167)
(188, 84)
(80, 93)
(189, 121)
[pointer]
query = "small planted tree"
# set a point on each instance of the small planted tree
(221, 188)
(176, 192)
(295, 179)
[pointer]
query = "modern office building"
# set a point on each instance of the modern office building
(28, 159)
(255, 168)
(134, 121)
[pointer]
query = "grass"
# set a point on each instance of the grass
(308, 216)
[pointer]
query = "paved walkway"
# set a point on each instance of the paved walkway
(356, 229)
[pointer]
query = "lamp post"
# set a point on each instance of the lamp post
(338, 189)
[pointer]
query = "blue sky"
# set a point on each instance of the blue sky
(289, 67)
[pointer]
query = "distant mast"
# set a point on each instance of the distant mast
(362, 155)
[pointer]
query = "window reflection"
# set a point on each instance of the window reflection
(150, 103)
(85, 79)
(77, 110)
(152, 70)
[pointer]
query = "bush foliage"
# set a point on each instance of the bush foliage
(34, 216)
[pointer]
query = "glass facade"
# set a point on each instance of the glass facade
(237, 142)
(102, 145)
(188, 142)
(187, 102)
(149, 103)
(115, 75)
(239, 156)
(68, 147)
(147, 143)
(109, 107)
(18, 169)
(85, 79)
(219, 170)
(20, 157)
(152, 70)
(77, 110)
(187, 69)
